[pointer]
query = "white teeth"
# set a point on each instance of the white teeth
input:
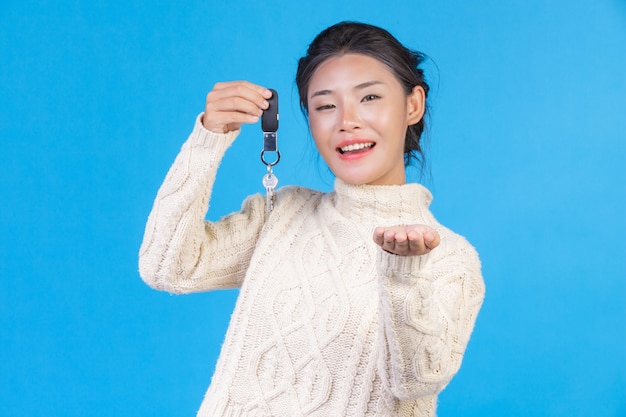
(356, 147)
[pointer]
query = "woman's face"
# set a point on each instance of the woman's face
(358, 115)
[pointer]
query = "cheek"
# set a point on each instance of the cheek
(313, 125)
(317, 134)
(378, 118)
(319, 127)
(389, 122)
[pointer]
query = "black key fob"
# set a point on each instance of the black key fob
(269, 120)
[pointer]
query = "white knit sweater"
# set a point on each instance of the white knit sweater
(326, 323)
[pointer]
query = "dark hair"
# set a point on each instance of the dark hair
(361, 38)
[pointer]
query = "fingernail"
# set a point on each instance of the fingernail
(267, 93)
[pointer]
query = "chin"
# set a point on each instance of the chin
(356, 176)
(354, 179)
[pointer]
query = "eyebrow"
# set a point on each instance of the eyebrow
(358, 87)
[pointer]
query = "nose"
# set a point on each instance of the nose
(350, 118)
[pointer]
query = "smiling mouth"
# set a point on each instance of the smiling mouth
(355, 148)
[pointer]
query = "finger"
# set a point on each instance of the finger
(228, 84)
(221, 94)
(243, 89)
(389, 243)
(431, 239)
(401, 244)
(379, 236)
(233, 118)
(417, 246)
(415, 242)
(232, 104)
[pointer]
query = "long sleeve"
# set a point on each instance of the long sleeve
(181, 252)
(428, 308)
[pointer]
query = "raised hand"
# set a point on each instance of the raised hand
(416, 239)
(232, 104)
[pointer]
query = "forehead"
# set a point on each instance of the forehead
(350, 69)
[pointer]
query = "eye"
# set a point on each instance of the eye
(371, 97)
(325, 107)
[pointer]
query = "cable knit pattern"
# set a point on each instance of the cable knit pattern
(326, 323)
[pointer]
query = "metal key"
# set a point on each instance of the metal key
(269, 182)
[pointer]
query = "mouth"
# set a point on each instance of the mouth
(355, 148)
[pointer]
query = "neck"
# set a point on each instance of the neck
(392, 204)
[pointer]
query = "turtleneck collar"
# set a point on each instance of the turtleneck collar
(398, 204)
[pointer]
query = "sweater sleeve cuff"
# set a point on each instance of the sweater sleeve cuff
(403, 266)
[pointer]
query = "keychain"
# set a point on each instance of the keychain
(269, 124)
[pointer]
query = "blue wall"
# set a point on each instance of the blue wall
(527, 144)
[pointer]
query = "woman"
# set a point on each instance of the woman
(355, 302)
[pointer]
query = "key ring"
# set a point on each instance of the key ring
(270, 164)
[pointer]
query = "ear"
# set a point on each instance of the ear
(416, 105)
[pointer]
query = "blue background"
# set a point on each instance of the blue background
(527, 147)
